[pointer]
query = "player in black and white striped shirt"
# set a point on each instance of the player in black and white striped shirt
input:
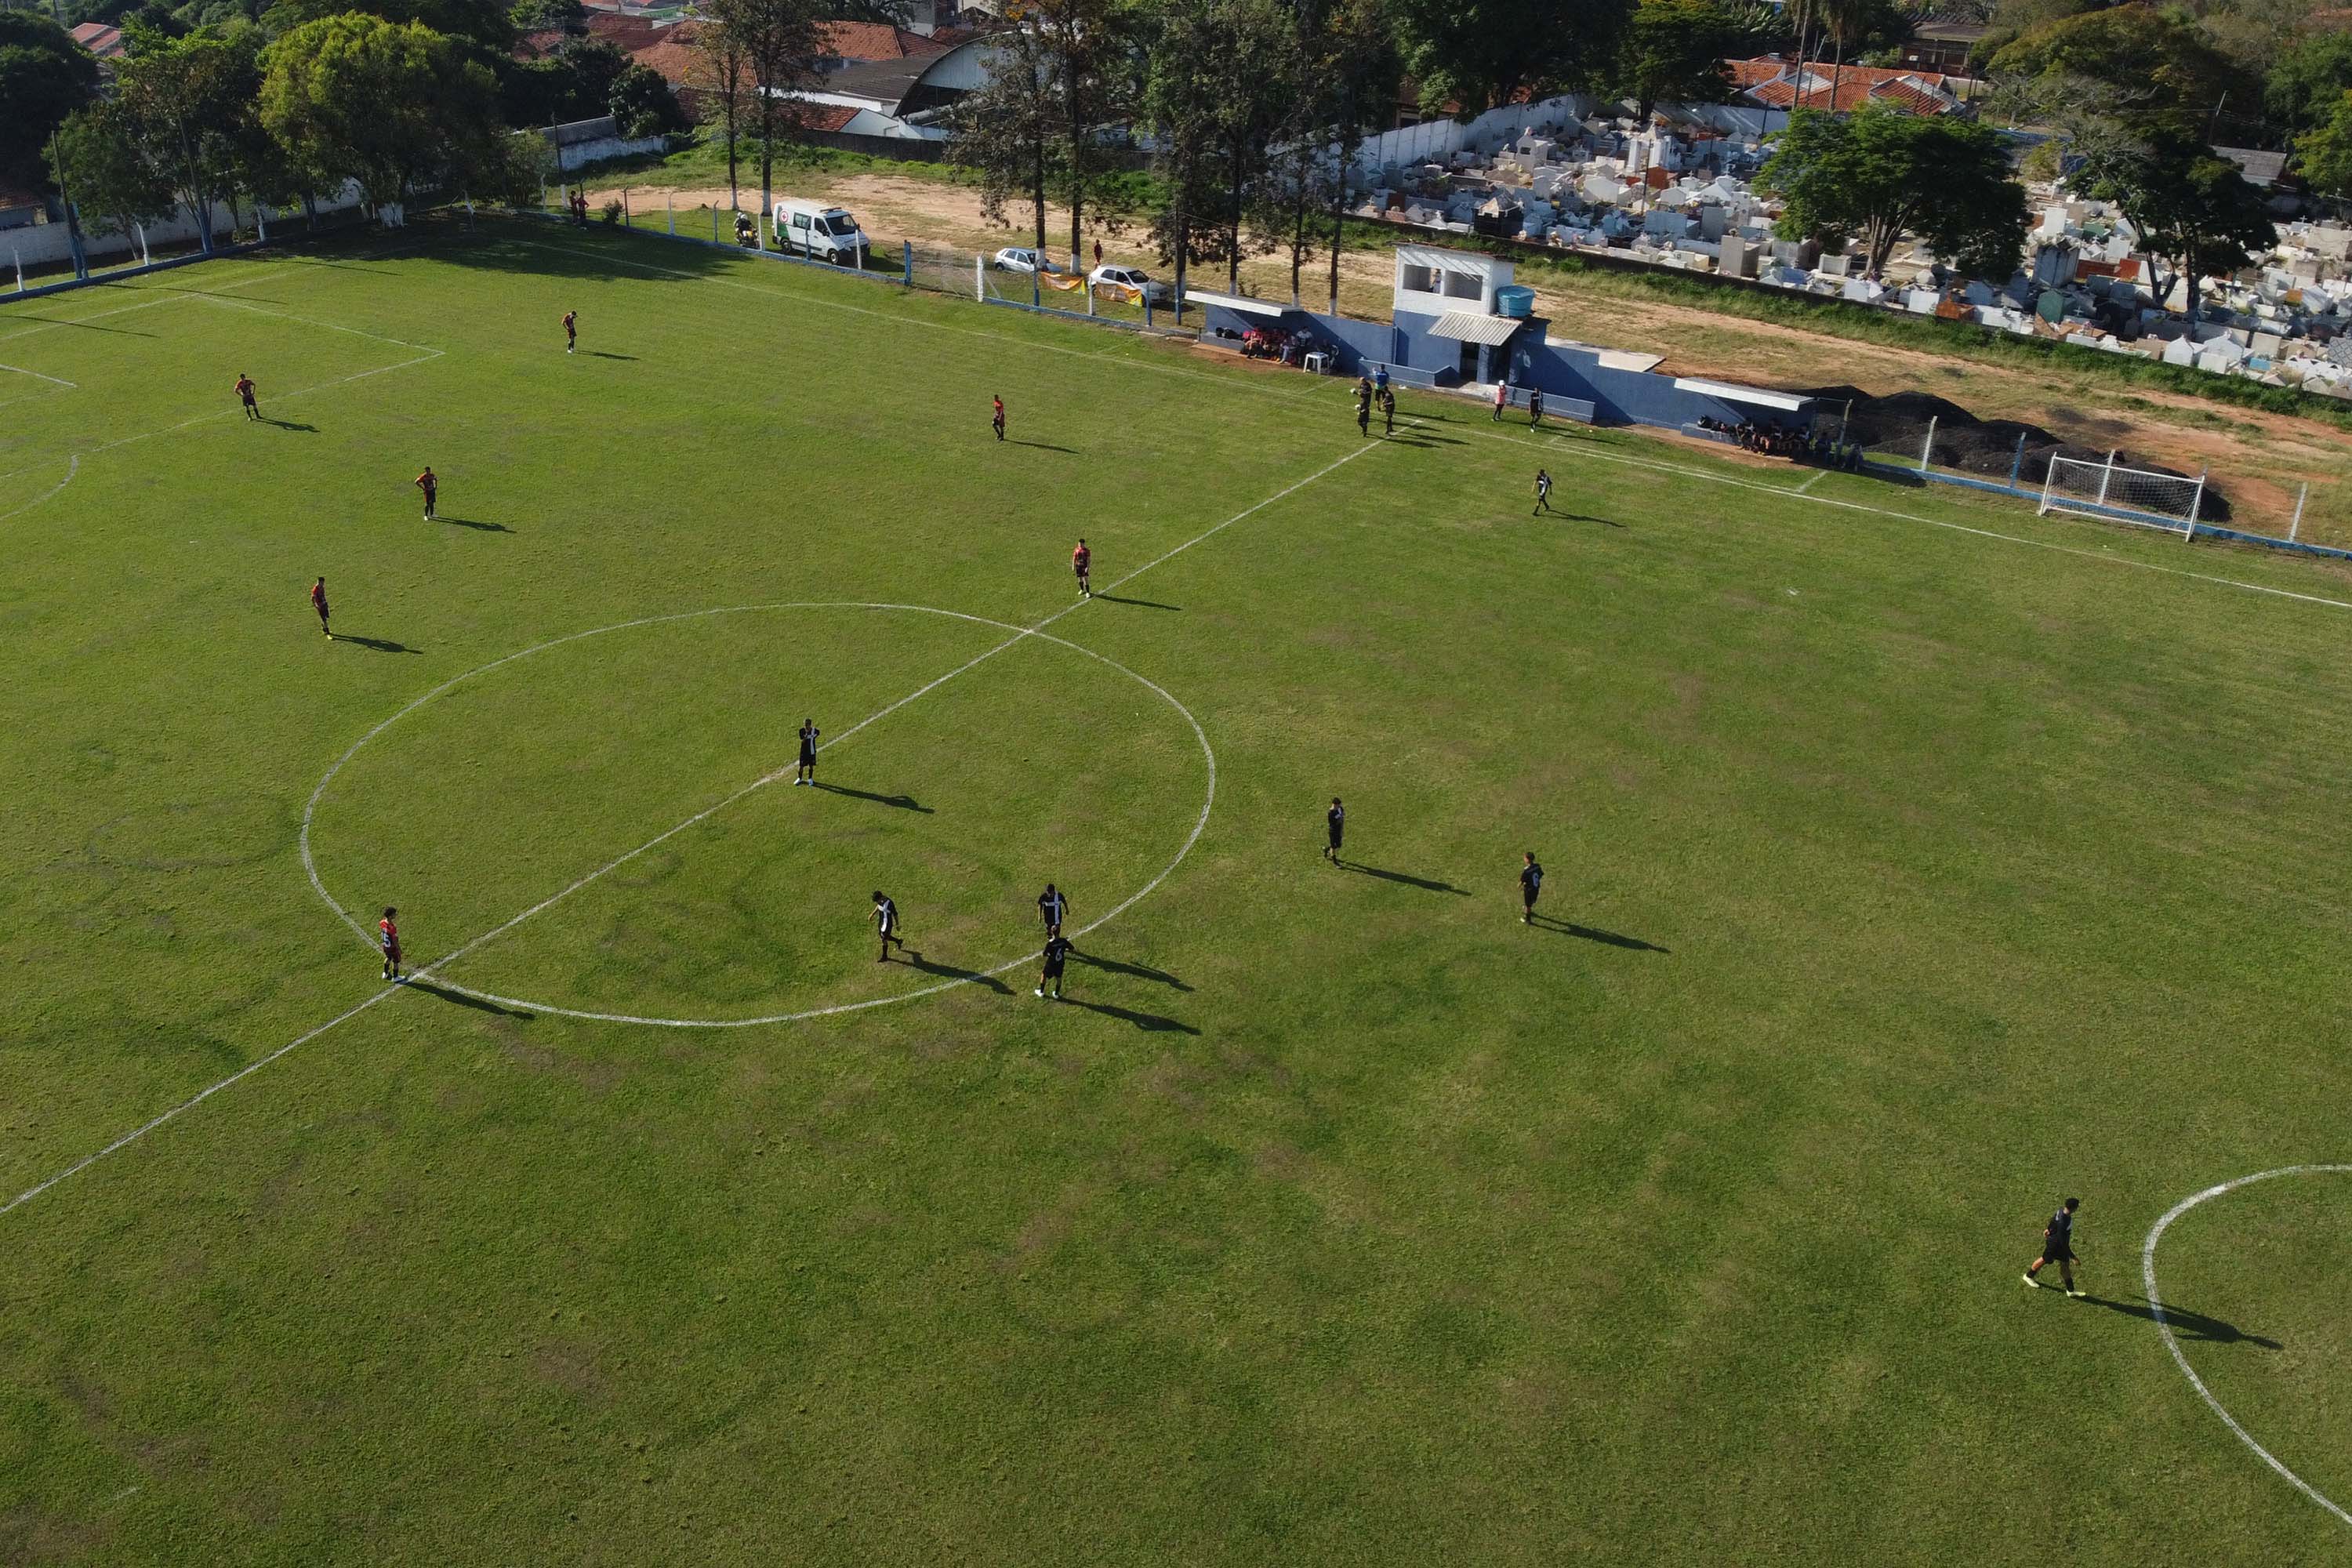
(886, 924)
(1052, 904)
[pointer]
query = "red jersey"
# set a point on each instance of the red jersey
(390, 935)
(245, 388)
(319, 597)
(1080, 558)
(427, 482)
(1000, 409)
(570, 317)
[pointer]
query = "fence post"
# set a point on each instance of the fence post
(2196, 502)
(714, 222)
(542, 193)
(144, 259)
(2017, 464)
(1036, 299)
(911, 261)
(979, 278)
(1845, 419)
(669, 206)
(20, 289)
(2108, 477)
(1928, 445)
(626, 221)
(2300, 496)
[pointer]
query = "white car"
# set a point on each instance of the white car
(1133, 280)
(1021, 258)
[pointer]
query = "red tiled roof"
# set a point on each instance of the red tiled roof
(875, 41)
(679, 64)
(100, 39)
(1771, 82)
(826, 116)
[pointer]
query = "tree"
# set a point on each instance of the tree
(45, 76)
(1483, 53)
(1094, 57)
(2306, 84)
(1362, 64)
(729, 71)
(184, 96)
(1876, 174)
(2324, 153)
(2149, 69)
(1182, 100)
(781, 44)
(1006, 131)
(107, 173)
(1260, 91)
(566, 16)
(396, 108)
(642, 103)
(2193, 208)
(486, 22)
(1675, 49)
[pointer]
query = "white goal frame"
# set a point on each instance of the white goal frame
(2143, 496)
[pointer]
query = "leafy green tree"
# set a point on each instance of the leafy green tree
(1007, 131)
(2324, 153)
(781, 44)
(2193, 208)
(1675, 49)
(1183, 101)
(642, 103)
(108, 174)
(185, 96)
(1092, 47)
(566, 16)
(728, 70)
(2306, 82)
(45, 76)
(484, 22)
(1875, 176)
(1483, 53)
(396, 106)
(2150, 69)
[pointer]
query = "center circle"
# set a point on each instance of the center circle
(1015, 637)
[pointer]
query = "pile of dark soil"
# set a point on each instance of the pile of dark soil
(1895, 425)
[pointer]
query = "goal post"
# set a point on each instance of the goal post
(2143, 496)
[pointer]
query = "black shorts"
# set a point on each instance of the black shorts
(808, 758)
(1528, 897)
(2057, 1252)
(1335, 838)
(1054, 969)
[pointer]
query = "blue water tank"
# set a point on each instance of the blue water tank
(1515, 299)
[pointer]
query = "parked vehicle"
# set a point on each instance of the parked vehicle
(1132, 283)
(1022, 259)
(820, 233)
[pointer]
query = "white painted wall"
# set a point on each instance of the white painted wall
(46, 243)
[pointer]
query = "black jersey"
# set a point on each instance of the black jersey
(809, 732)
(885, 916)
(1338, 818)
(2062, 1233)
(1530, 880)
(1056, 950)
(1051, 906)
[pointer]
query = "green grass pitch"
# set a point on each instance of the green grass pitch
(1913, 863)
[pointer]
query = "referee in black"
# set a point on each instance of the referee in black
(1336, 821)
(1531, 885)
(2058, 1247)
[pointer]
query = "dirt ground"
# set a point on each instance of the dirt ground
(2260, 460)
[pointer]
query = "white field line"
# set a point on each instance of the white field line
(73, 466)
(1253, 384)
(311, 868)
(164, 293)
(29, 1193)
(37, 375)
(1807, 487)
(2172, 1343)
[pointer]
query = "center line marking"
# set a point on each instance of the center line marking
(251, 1068)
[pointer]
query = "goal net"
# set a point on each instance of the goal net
(2123, 495)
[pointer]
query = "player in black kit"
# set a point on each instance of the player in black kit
(1336, 821)
(2058, 1247)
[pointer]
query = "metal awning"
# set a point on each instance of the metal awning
(1240, 302)
(1732, 392)
(1464, 327)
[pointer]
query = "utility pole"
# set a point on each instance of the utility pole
(73, 221)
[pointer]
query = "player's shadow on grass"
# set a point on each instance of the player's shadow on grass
(600, 353)
(479, 1003)
(1590, 933)
(85, 326)
(1580, 517)
(1041, 445)
(903, 802)
(291, 425)
(1141, 972)
(950, 971)
(1411, 881)
(1145, 604)
(1149, 1023)
(470, 523)
(2194, 1327)
(378, 644)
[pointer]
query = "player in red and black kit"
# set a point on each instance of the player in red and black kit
(2058, 1247)
(431, 486)
(388, 939)
(571, 331)
(318, 603)
(244, 395)
(996, 420)
(1082, 561)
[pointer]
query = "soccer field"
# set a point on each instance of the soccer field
(1913, 863)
